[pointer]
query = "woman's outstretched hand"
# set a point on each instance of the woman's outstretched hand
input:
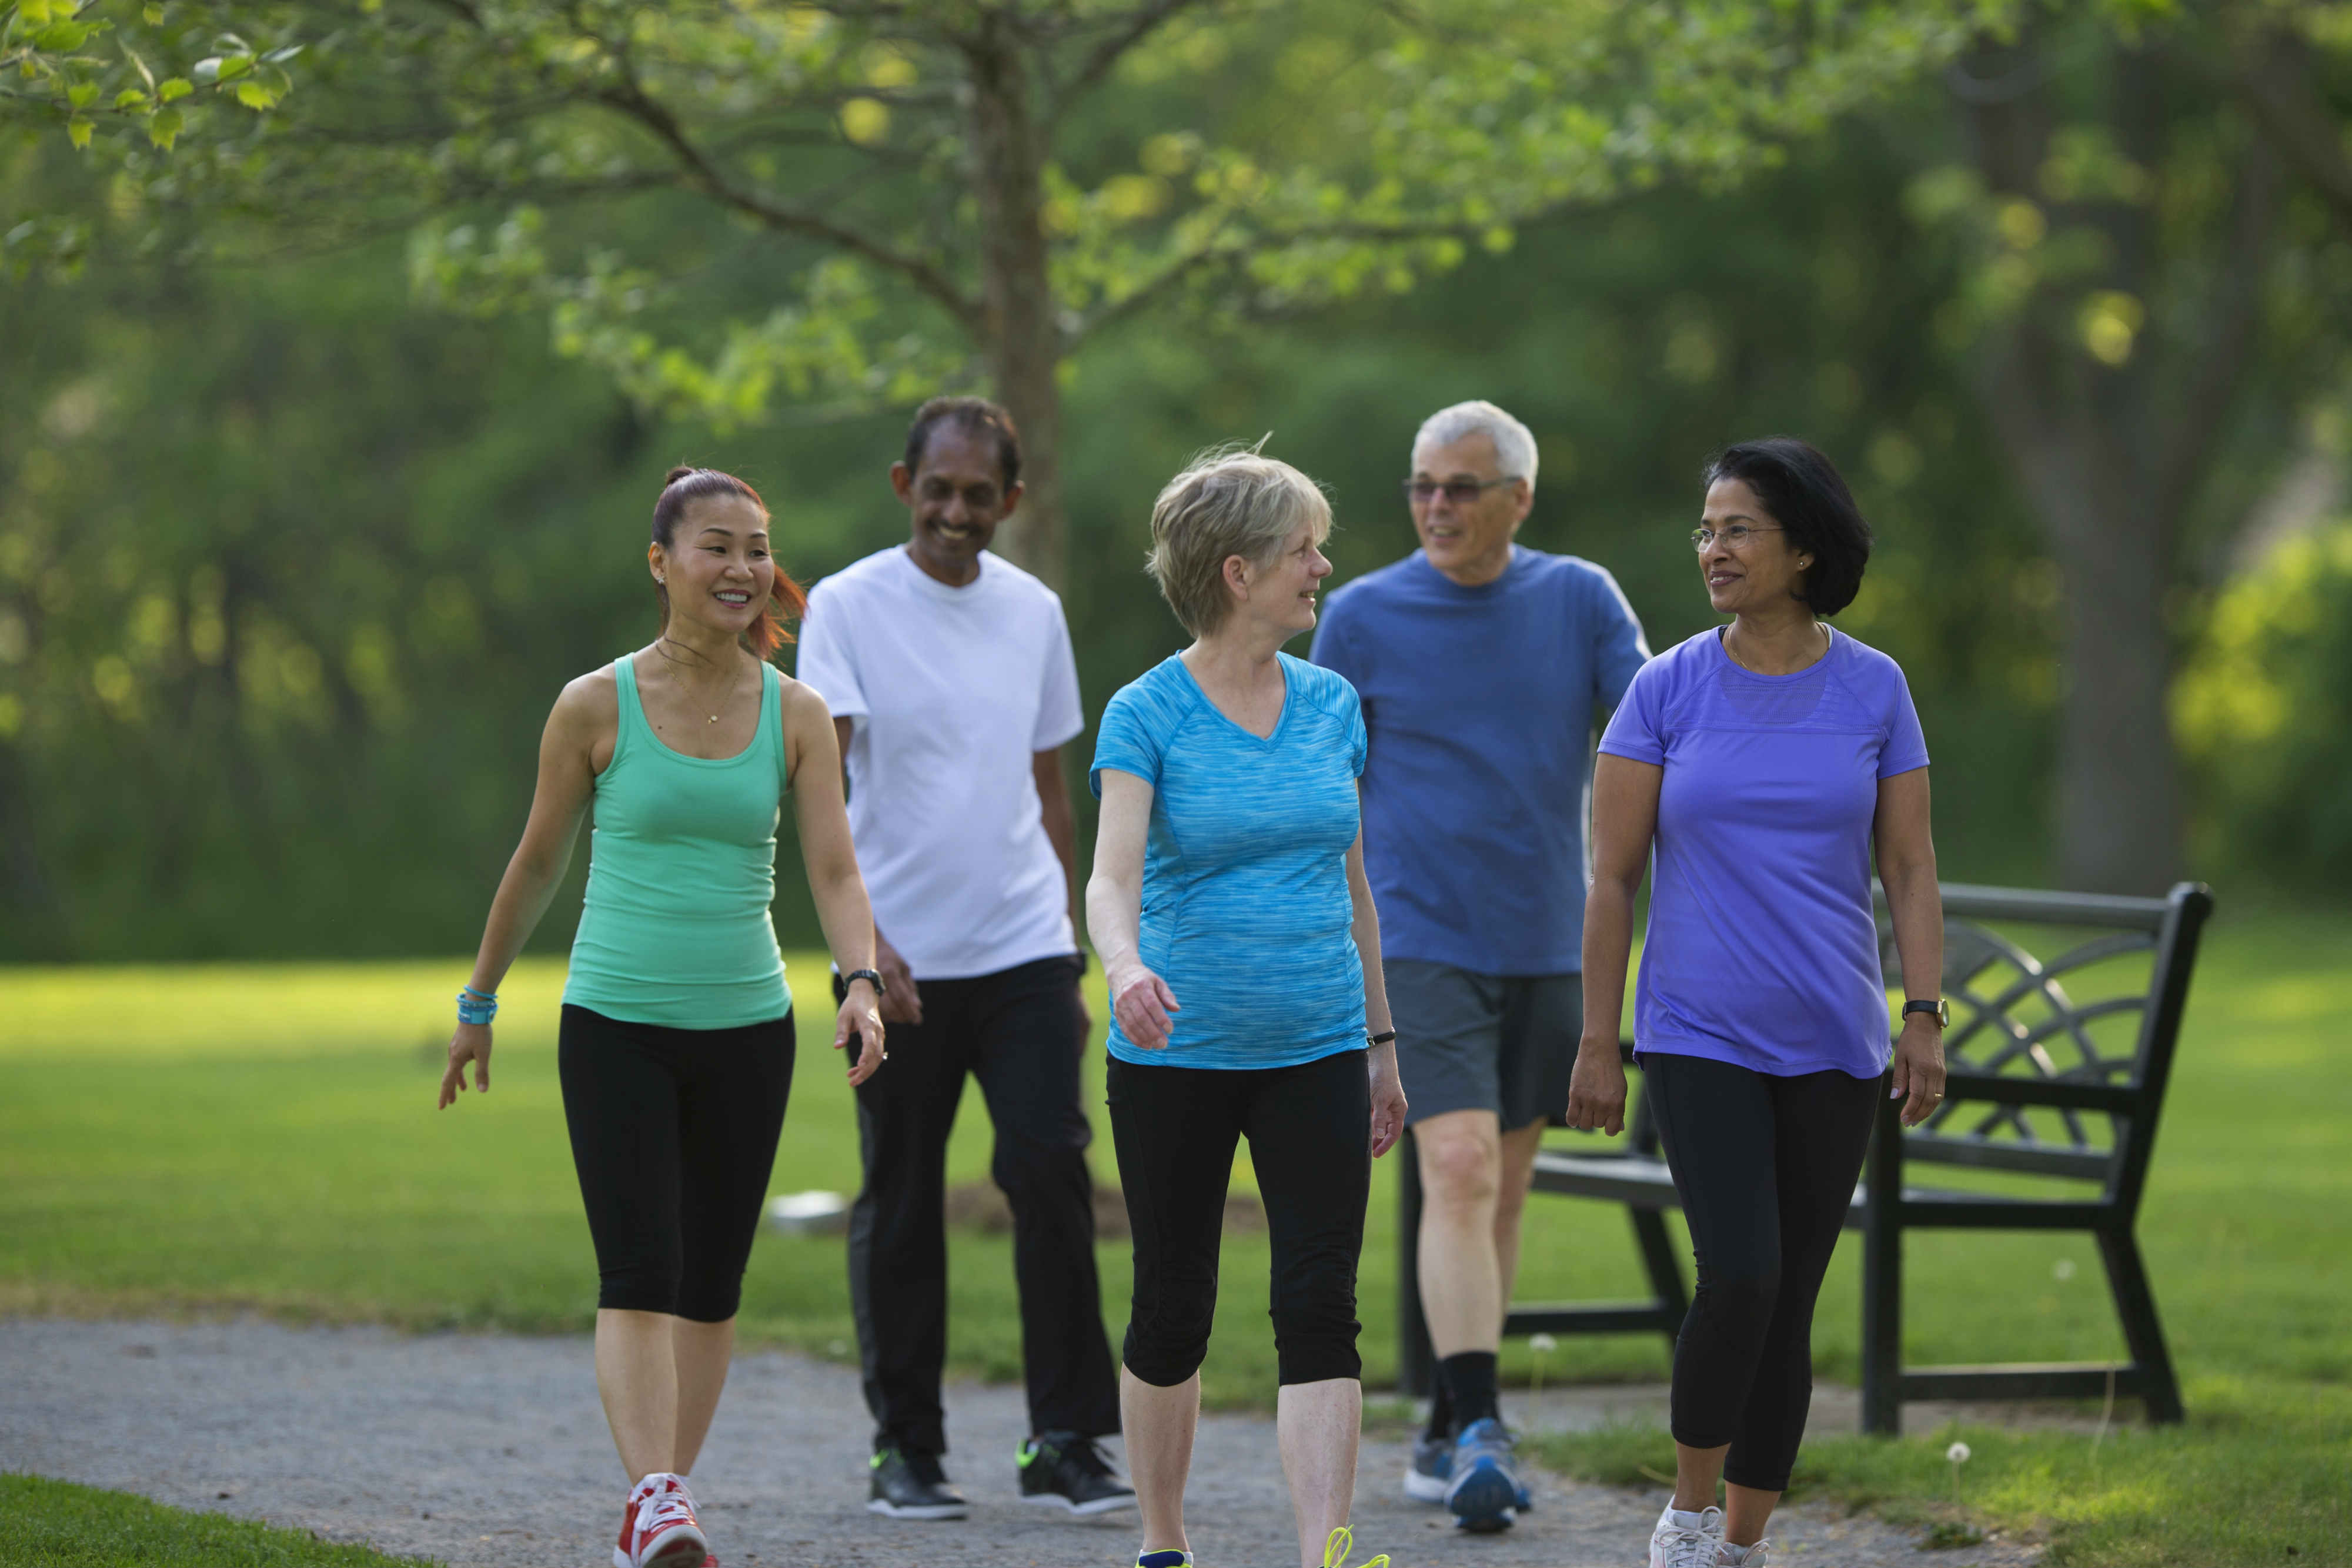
(1596, 1089)
(861, 1020)
(470, 1043)
(1141, 1002)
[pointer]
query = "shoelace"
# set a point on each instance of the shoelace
(1688, 1549)
(1337, 1545)
(671, 1505)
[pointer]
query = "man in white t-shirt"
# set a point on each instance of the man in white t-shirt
(949, 677)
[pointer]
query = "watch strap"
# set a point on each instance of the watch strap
(871, 976)
(1939, 1009)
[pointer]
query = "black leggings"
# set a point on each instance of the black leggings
(1310, 1130)
(1765, 1167)
(673, 1133)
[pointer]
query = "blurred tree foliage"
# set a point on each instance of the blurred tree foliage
(291, 571)
(2265, 715)
(969, 189)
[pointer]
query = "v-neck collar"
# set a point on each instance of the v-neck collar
(1269, 739)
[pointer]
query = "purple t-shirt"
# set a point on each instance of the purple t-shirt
(1762, 949)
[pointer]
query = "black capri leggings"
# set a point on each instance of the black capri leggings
(673, 1133)
(1310, 1130)
(1765, 1167)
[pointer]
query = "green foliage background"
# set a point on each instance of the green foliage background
(291, 566)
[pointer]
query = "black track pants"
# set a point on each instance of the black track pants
(1766, 1168)
(674, 1135)
(1017, 1031)
(1309, 1131)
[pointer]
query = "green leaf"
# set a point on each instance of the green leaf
(279, 57)
(207, 70)
(81, 94)
(154, 15)
(77, 132)
(62, 38)
(257, 96)
(164, 127)
(130, 98)
(36, 13)
(174, 87)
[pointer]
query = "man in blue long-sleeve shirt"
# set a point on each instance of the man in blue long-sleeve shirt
(1483, 666)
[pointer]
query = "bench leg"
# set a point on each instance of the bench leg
(1882, 1278)
(2135, 1305)
(1666, 1274)
(1416, 1364)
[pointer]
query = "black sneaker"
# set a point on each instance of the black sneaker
(1069, 1472)
(912, 1486)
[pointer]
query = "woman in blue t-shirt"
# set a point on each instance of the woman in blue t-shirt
(1764, 762)
(1236, 931)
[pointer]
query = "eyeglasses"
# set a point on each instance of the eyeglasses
(1461, 491)
(1737, 535)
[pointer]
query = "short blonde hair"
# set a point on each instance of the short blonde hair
(1229, 501)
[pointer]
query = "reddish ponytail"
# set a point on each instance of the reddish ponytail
(786, 600)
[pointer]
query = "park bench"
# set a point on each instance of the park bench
(2057, 1071)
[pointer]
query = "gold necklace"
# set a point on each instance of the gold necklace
(732, 686)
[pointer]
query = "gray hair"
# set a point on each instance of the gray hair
(1515, 444)
(1229, 501)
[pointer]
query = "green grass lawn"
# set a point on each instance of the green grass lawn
(263, 1137)
(54, 1524)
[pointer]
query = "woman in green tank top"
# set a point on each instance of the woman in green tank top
(676, 1046)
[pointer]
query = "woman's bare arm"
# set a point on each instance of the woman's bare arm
(579, 730)
(1625, 820)
(1905, 847)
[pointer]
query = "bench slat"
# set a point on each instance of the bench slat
(2008, 1155)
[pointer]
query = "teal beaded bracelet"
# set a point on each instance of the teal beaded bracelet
(476, 1007)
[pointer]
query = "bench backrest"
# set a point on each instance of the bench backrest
(2099, 1005)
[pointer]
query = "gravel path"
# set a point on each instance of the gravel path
(488, 1449)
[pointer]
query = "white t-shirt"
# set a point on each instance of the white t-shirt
(953, 692)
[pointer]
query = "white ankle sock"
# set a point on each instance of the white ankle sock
(1684, 1518)
(1732, 1556)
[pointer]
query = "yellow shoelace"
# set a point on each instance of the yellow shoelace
(1337, 1546)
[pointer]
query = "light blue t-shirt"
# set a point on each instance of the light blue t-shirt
(1762, 948)
(1480, 703)
(1246, 914)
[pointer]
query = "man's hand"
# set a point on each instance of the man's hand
(902, 1000)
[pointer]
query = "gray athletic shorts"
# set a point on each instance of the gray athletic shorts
(1483, 1042)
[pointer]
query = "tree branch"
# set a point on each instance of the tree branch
(631, 100)
(1138, 25)
(2272, 79)
(2234, 313)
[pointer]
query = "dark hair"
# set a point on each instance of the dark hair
(1801, 489)
(785, 599)
(975, 416)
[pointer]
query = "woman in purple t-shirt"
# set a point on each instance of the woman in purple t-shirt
(1764, 762)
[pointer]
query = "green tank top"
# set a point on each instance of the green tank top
(681, 869)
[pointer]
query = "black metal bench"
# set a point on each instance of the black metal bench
(2057, 1071)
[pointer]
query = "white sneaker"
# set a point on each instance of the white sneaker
(1754, 1556)
(658, 1531)
(1687, 1544)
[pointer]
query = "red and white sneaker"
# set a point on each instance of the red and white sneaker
(659, 1528)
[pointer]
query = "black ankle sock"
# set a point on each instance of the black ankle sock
(1469, 1379)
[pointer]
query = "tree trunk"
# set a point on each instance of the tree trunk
(2118, 789)
(2108, 456)
(1024, 346)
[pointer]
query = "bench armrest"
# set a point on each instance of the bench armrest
(2061, 1094)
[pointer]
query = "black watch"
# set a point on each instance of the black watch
(870, 976)
(1940, 1009)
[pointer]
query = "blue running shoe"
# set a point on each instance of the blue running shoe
(1431, 1467)
(1484, 1491)
(1168, 1559)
